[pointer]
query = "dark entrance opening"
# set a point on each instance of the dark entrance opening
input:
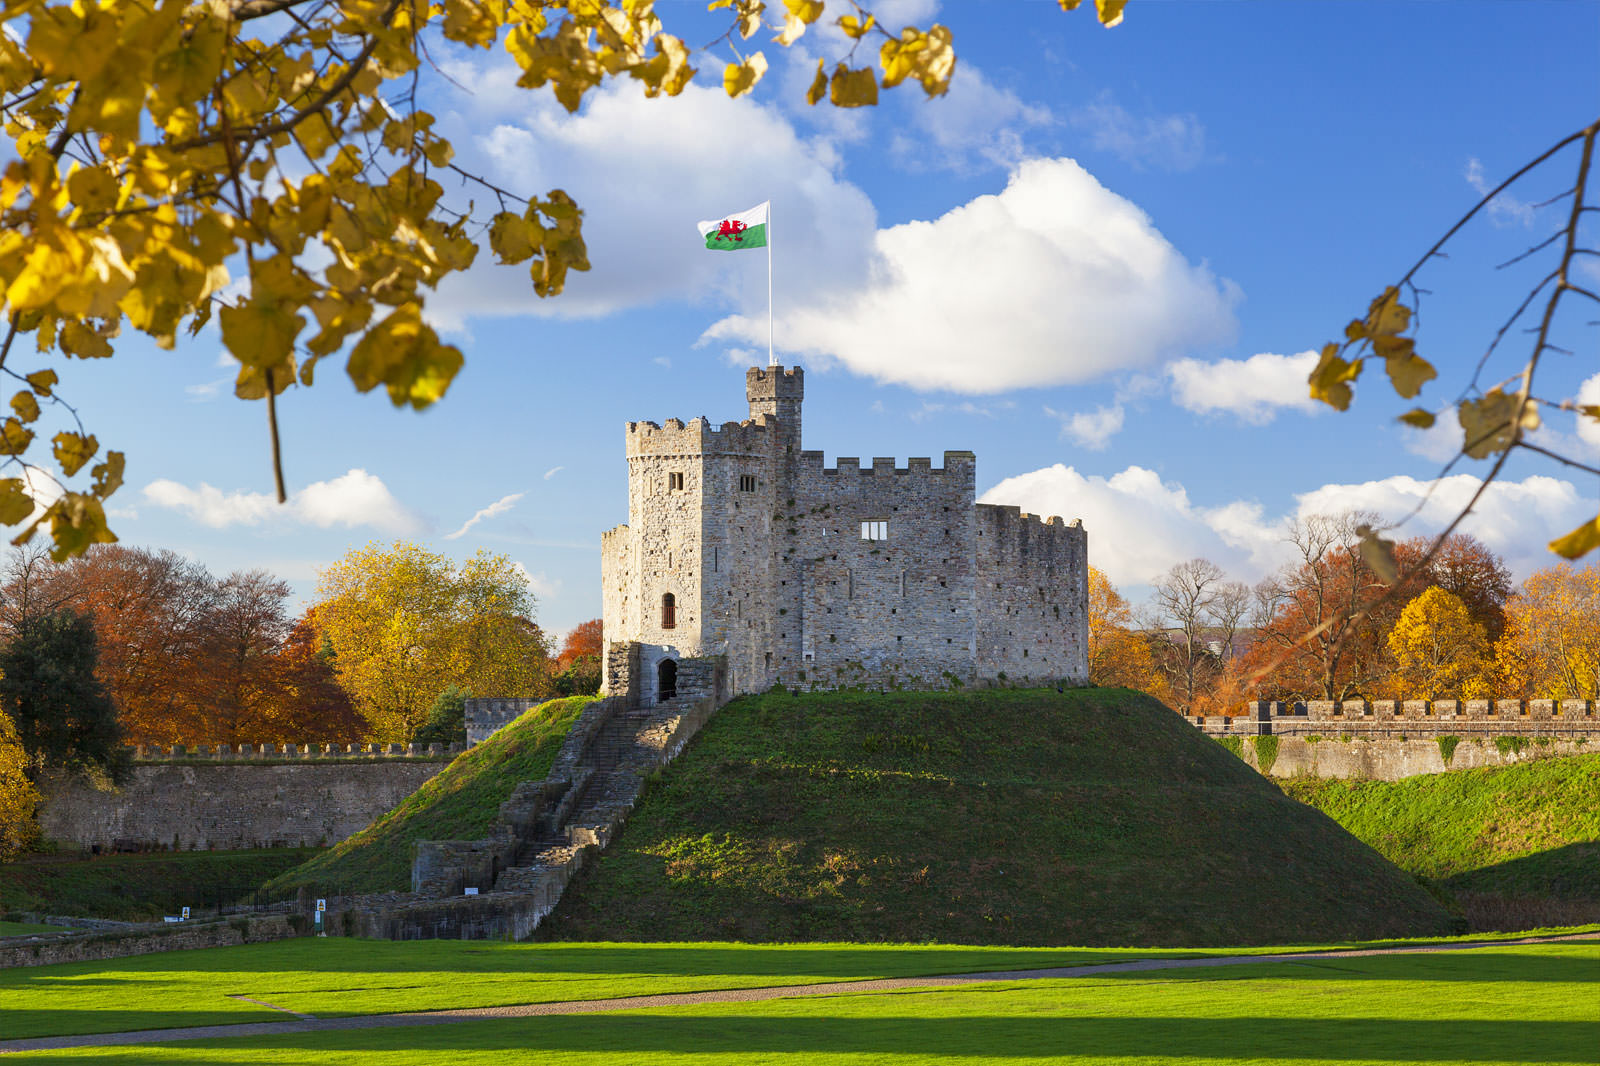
(666, 679)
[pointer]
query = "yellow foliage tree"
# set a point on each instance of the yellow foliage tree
(160, 148)
(1551, 647)
(1438, 649)
(406, 623)
(1119, 655)
(17, 796)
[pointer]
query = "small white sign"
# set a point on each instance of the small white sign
(472, 892)
(185, 914)
(322, 905)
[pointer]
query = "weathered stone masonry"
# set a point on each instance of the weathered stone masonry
(742, 544)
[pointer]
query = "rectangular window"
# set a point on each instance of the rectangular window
(674, 482)
(747, 483)
(875, 529)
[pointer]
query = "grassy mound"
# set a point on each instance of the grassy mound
(134, 888)
(994, 817)
(461, 802)
(1526, 830)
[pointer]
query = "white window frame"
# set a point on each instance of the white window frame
(875, 529)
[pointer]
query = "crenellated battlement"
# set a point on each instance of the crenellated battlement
(699, 437)
(188, 753)
(812, 464)
(775, 382)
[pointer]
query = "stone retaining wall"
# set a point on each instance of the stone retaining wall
(228, 805)
(46, 949)
(1381, 758)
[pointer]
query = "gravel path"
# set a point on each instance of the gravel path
(308, 1024)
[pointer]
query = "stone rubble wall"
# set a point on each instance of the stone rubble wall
(1033, 594)
(46, 949)
(486, 717)
(1390, 758)
(183, 805)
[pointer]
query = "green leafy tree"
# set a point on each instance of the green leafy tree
(447, 718)
(63, 716)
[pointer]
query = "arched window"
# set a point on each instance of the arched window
(669, 611)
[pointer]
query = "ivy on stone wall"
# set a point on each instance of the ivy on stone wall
(1233, 744)
(1447, 749)
(1266, 753)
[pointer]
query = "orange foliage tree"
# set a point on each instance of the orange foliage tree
(1119, 655)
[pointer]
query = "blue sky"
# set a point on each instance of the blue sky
(1096, 263)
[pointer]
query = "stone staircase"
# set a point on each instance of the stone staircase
(547, 830)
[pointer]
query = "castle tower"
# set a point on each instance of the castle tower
(772, 390)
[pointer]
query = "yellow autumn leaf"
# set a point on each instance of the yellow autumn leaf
(26, 407)
(470, 22)
(93, 189)
(1489, 424)
(72, 450)
(1408, 373)
(14, 437)
(76, 522)
(1110, 11)
(404, 354)
(1387, 315)
(15, 503)
(83, 342)
(42, 381)
(260, 332)
(1378, 553)
(819, 86)
(1419, 418)
(853, 88)
(855, 28)
(807, 11)
(1579, 542)
(513, 238)
(740, 78)
(1329, 378)
(108, 474)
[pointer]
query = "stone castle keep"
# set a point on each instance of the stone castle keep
(741, 544)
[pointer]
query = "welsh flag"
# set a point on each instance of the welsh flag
(747, 229)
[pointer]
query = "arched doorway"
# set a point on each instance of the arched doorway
(666, 679)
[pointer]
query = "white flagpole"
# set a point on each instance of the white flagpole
(772, 359)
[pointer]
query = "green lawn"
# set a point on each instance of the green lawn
(24, 928)
(337, 977)
(1522, 1005)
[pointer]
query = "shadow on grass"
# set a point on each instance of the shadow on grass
(1570, 872)
(991, 1036)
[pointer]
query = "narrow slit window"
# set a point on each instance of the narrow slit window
(669, 611)
(675, 482)
(747, 483)
(875, 529)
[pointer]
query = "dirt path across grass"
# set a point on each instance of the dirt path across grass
(308, 1024)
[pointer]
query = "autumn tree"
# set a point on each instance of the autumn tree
(245, 632)
(1119, 655)
(18, 797)
(306, 700)
(1317, 642)
(404, 623)
(48, 689)
(578, 664)
(1438, 649)
(1551, 646)
(1463, 566)
(174, 161)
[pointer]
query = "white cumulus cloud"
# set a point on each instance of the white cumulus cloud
(1091, 429)
(1140, 525)
(356, 498)
(1055, 280)
(1254, 389)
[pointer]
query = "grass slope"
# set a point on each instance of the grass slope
(134, 888)
(1531, 829)
(990, 817)
(461, 802)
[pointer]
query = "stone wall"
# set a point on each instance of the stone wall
(1569, 719)
(487, 717)
(1033, 594)
(49, 948)
(186, 805)
(1390, 758)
